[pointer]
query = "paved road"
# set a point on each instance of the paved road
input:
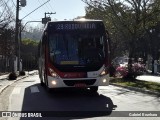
(28, 95)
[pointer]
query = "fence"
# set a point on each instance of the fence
(149, 67)
(6, 64)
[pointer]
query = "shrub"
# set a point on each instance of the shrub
(12, 76)
(22, 73)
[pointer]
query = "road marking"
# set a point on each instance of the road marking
(16, 90)
(34, 89)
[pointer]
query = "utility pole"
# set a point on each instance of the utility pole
(21, 3)
(16, 33)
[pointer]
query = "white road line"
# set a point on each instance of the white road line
(16, 90)
(34, 89)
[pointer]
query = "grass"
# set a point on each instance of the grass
(152, 86)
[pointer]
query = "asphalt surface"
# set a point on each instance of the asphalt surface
(4, 82)
(27, 95)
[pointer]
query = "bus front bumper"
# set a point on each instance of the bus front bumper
(78, 82)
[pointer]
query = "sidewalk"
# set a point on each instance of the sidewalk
(150, 78)
(4, 82)
(2, 77)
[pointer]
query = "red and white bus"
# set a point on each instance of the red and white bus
(74, 54)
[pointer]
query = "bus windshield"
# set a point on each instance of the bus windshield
(76, 49)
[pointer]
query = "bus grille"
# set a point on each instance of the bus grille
(84, 81)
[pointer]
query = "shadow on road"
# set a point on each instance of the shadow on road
(68, 103)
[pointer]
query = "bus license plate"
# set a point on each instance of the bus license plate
(80, 85)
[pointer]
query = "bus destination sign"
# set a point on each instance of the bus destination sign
(75, 26)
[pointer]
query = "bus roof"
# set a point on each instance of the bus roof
(77, 20)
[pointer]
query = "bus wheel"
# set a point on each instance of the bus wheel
(94, 89)
(48, 89)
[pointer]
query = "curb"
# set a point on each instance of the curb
(3, 88)
(32, 73)
(137, 89)
(4, 78)
(19, 78)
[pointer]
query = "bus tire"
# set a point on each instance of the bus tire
(94, 89)
(46, 83)
(45, 80)
(49, 90)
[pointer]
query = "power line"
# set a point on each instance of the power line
(44, 5)
(13, 6)
(39, 2)
(26, 13)
(35, 9)
(2, 1)
(48, 7)
(9, 8)
(13, 3)
(51, 6)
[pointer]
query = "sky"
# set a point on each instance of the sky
(65, 9)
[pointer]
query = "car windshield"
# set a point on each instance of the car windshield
(76, 49)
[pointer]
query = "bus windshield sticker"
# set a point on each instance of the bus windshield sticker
(69, 63)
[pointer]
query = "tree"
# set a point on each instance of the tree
(29, 51)
(33, 32)
(6, 36)
(29, 46)
(130, 19)
(6, 15)
(118, 33)
(6, 49)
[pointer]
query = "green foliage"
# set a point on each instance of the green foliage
(129, 24)
(112, 24)
(22, 73)
(6, 42)
(29, 51)
(12, 76)
(27, 41)
(139, 84)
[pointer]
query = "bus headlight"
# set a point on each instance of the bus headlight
(54, 82)
(104, 81)
(53, 73)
